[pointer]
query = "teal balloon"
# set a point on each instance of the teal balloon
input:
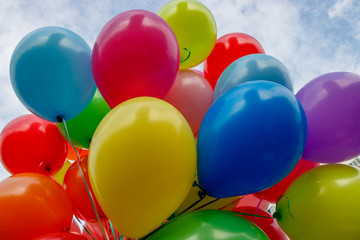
(251, 68)
(81, 128)
(50, 72)
(209, 225)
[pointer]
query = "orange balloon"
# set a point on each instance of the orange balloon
(72, 154)
(31, 205)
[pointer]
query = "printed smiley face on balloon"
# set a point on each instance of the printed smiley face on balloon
(194, 27)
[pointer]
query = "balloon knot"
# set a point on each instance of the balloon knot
(59, 118)
(277, 215)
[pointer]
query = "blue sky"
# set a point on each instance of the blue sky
(311, 37)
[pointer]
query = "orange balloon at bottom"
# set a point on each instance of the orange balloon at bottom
(32, 205)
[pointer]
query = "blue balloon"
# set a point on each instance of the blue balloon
(250, 139)
(251, 68)
(51, 74)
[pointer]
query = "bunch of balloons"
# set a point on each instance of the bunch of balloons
(128, 138)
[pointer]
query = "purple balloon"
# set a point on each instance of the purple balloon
(332, 107)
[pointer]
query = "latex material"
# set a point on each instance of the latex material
(31, 144)
(143, 150)
(251, 201)
(229, 48)
(194, 27)
(135, 54)
(76, 189)
(324, 203)
(59, 176)
(268, 225)
(251, 68)
(72, 154)
(331, 103)
(82, 127)
(192, 95)
(207, 202)
(62, 236)
(273, 193)
(32, 204)
(210, 225)
(250, 139)
(50, 72)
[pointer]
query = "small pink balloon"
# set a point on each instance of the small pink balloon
(192, 95)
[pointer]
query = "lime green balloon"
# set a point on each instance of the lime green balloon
(209, 225)
(194, 27)
(81, 128)
(323, 203)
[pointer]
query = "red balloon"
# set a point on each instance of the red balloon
(31, 205)
(75, 187)
(62, 236)
(227, 49)
(31, 144)
(268, 225)
(136, 54)
(273, 193)
(251, 201)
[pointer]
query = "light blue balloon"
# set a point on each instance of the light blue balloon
(251, 68)
(51, 74)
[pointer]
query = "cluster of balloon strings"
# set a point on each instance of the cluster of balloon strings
(61, 120)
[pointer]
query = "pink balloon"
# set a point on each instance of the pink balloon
(192, 95)
(136, 54)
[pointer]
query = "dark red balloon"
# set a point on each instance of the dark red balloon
(75, 187)
(227, 49)
(273, 193)
(62, 236)
(268, 225)
(31, 144)
(31, 205)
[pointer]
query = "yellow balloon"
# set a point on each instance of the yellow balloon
(323, 203)
(142, 162)
(194, 27)
(194, 195)
(59, 176)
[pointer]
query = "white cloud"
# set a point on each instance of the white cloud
(340, 8)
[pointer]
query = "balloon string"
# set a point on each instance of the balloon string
(206, 204)
(253, 215)
(189, 53)
(277, 213)
(82, 175)
(112, 230)
(237, 200)
(155, 230)
(84, 227)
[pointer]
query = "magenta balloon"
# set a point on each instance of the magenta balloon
(192, 95)
(136, 54)
(332, 107)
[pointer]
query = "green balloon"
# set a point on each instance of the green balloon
(209, 225)
(81, 128)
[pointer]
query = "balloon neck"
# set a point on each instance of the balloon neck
(59, 118)
(277, 215)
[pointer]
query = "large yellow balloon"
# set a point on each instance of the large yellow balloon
(194, 27)
(142, 163)
(323, 203)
